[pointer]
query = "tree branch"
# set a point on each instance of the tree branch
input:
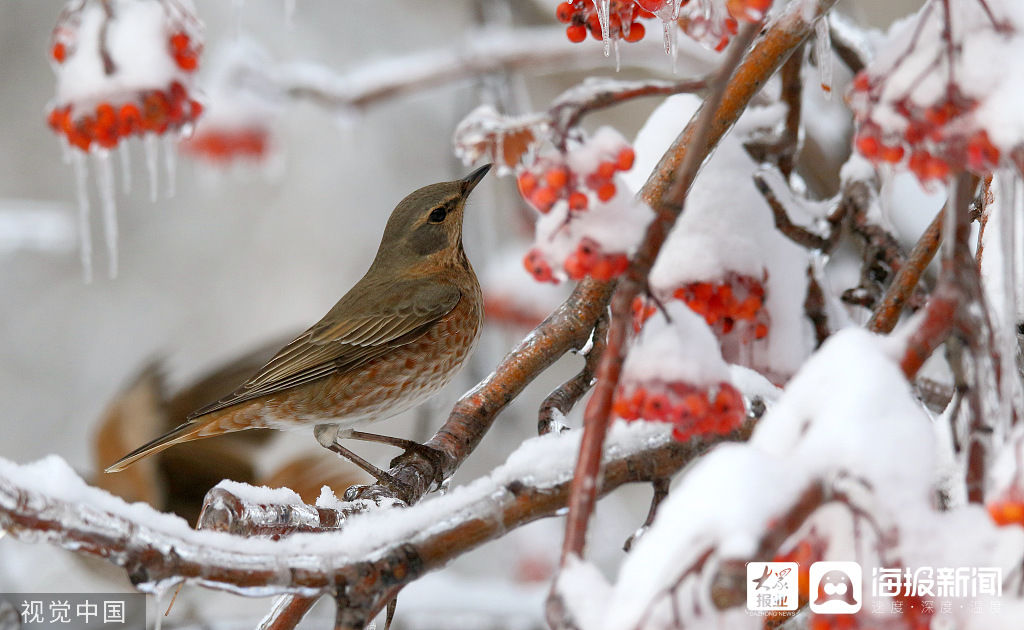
(665, 191)
(359, 562)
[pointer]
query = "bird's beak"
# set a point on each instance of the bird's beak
(470, 181)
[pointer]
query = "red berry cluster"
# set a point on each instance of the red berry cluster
(538, 266)
(153, 111)
(581, 16)
(185, 51)
(722, 304)
(224, 145)
(936, 139)
(550, 179)
(589, 260)
(692, 411)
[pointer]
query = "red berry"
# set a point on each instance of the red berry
(636, 32)
(578, 201)
(605, 170)
(59, 52)
(760, 331)
(861, 83)
(543, 198)
(982, 155)
(129, 120)
(890, 153)
(179, 41)
(557, 178)
(527, 184)
(564, 12)
(655, 407)
(867, 145)
(576, 33)
(606, 191)
(625, 159)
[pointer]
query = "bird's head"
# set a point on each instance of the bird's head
(425, 228)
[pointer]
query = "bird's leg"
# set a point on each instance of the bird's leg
(327, 435)
(432, 455)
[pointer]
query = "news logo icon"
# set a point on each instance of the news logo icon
(836, 588)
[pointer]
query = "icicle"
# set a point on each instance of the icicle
(105, 185)
(84, 234)
(674, 51)
(603, 16)
(823, 52)
(126, 167)
(150, 145)
(618, 57)
(1009, 280)
(442, 489)
(666, 34)
(170, 162)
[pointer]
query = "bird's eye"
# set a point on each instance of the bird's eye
(438, 215)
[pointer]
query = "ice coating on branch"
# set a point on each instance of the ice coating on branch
(55, 492)
(260, 494)
(504, 140)
(727, 227)
(680, 350)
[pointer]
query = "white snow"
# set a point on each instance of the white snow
(828, 426)
(683, 350)
(714, 237)
(137, 42)
(543, 461)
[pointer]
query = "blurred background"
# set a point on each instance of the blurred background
(243, 256)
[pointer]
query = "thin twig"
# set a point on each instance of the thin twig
(561, 401)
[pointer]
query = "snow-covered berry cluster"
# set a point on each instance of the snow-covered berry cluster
(934, 139)
(735, 303)
(692, 411)
(583, 16)
(577, 191)
(124, 69)
(914, 108)
(554, 177)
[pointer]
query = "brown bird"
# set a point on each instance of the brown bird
(396, 338)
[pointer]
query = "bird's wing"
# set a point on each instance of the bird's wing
(363, 325)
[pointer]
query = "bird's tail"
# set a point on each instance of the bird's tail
(183, 433)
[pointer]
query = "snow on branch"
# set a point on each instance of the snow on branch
(373, 554)
(482, 52)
